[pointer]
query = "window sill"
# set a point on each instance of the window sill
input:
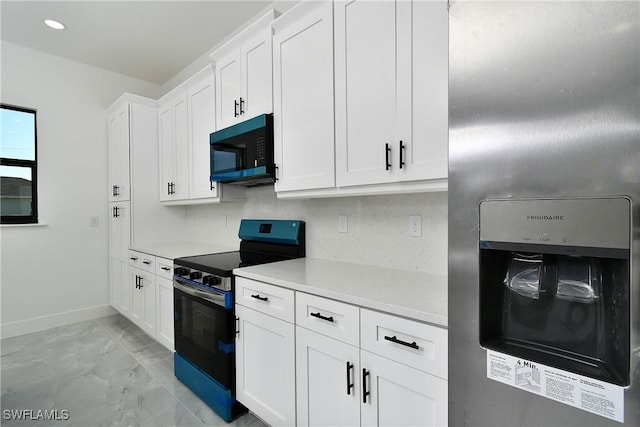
(40, 224)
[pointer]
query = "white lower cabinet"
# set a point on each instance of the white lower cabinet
(347, 366)
(265, 366)
(327, 385)
(164, 312)
(150, 292)
(143, 299)
(399, 395)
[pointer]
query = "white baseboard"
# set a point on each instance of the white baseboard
(22, 327)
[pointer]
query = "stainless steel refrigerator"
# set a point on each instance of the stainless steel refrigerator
(544, 213)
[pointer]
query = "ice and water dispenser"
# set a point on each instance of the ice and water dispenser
(555, 283)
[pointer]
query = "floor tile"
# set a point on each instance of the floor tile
(104, 372)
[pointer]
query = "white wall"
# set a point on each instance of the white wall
(378, 226)
(58, 273)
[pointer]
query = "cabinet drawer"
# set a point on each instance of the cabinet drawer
(328, 317)
(411, 343)
(164, 268)
(268, 299)
(135, 258)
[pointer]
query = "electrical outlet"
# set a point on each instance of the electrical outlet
(415, 225)
(343, 224)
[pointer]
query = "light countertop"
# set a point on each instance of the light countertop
(415, 295)
(174, 250)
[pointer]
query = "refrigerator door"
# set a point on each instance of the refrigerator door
(544, 102)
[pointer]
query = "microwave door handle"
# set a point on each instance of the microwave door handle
(211, 297)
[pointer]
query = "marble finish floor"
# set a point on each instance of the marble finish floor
(104, 372)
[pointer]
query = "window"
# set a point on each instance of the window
(18, 171)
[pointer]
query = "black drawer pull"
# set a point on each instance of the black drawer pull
(257, 296)
(365, 393)
(397, 341)
(387, 152)
(146, 262)
(166, 268)
(349, 383)
(320, 316)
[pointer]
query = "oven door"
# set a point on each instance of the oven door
(204, 331)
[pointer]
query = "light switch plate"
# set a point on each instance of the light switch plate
(343, 226)
(415, 225)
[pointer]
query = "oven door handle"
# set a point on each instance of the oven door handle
(211, 297)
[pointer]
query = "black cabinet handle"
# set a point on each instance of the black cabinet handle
(259, 297)
(116, 191)
(133, 258)
(241, 106)
(397, 341)
(166, 268)
(168, 188)
(172, 188)
(137, 282)
(402, 146)
(146, 262)
(349, 383)
(211, 185)
(276, 172)
(365, 393)
(115, 212)
(140, 284)
(387, 152)
(320, 316)
(235, 108)
(237, 326)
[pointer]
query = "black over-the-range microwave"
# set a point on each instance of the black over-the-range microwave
(243, 153)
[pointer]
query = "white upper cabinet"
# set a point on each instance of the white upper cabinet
(303, 98)
(426, 102)
(119, 182)
(391, 68)
(243, 69)
(186, 119)
(174, 140)
(201, 99)
(366, 92)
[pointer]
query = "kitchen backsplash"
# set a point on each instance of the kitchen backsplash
(378, 226)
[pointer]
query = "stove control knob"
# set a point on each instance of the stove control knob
(214, 281)
(195, 275)
(180, 271)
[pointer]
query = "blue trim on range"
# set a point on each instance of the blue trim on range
(228, 296)
(276, 231)
(206, 388)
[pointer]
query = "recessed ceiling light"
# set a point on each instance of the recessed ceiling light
(55, 24)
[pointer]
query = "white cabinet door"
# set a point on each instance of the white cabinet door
(174, 152)
(327, 381)
(201, 98)
(399, 395)
(164, 312)
(228, 90)
(244, 81)
(423, 90)
(303, 102)
(143, 299)
(119, 182)
(366, 92)
(119, 240)
(265, 366)
(256, 95)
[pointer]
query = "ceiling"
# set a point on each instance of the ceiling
(148, 40)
